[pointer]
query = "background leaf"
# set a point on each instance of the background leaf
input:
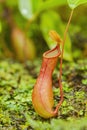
(11, 3)
(51, 21)
(28, 8)
(51, 4)
(74, 3)
(31, 7)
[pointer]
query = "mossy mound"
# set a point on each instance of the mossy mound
(16, 84)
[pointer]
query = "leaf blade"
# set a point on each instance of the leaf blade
(51, 4)
(51, 21)
(75, 3)
(26, 8)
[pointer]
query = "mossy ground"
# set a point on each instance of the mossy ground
(16, 84)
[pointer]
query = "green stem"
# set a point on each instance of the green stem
(64, 39)
(61, 61)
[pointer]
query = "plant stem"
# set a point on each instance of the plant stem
(61, 61)
(65, 34)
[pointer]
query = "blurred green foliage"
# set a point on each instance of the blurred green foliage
(0, 27)
(49, 20)
(35, 19)
(32, 7)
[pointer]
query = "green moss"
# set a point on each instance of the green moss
(16, 85)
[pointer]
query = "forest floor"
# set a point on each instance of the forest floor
(16, 84)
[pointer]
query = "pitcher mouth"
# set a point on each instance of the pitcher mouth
(55, 52)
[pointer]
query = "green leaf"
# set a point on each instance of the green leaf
(74, 3)
(51, 21)
(51, 4)
(29, 8)
(26, 8)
